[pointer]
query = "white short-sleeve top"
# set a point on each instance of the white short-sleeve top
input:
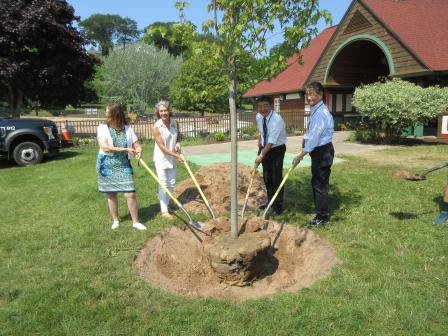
(169, 138)
(103, 132)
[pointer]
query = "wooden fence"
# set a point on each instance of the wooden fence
(191, 127)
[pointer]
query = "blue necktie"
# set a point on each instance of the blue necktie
(265, 132)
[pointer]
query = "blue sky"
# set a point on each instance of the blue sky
(146, 12)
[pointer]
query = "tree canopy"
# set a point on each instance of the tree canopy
(105, 29)
(42, 55)
(140, 74)
(202, 84)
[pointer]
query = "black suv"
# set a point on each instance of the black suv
(25, 140)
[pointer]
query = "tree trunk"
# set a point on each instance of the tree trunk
(234, 151)
(15, 101)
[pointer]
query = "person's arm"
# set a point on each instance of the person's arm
(163, 148)
(263, 153)
(105, 147)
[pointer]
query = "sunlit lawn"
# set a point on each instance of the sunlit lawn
(64, 272)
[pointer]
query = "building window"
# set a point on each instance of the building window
(339, 100)
(348, 102)
(277, 104)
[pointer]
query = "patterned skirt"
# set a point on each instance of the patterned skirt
(115, 173)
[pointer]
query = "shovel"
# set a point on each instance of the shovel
(278, 191)
(419, 177)
(198, 186)
(195, 225)
(248, 190)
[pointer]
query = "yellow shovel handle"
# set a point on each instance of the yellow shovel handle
(160, 183)
(278, 191)
(196, 183)
(248, 192)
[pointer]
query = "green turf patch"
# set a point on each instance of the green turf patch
(247, 158)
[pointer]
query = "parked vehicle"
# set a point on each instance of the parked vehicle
(25, 140)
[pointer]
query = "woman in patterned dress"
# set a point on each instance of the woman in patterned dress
(167, 151)
(118, 144)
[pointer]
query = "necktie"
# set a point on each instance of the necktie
(265, 132)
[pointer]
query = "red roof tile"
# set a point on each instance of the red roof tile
(422, 25)
(293, 78)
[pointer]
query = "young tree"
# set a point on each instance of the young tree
(396, 104)
(201, 83)
(140, 74)
(245, 25)
(172, 36)
(42, 56)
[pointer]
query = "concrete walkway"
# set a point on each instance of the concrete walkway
(293, 145)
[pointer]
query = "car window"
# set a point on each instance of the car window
(4, 115)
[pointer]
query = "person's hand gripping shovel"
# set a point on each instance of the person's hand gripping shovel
(295, 162)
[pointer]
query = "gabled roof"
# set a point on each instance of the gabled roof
(421, 25)
(294, 77)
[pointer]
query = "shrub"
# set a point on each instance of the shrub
(397, 104)
(219, 136)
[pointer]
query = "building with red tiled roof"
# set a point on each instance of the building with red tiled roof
(375, 39)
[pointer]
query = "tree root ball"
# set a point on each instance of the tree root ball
(238, 261)
(277, 258)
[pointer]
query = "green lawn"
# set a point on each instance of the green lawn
(64, 272)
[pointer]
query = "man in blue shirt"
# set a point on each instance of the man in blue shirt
(317, 143)
(272, 148)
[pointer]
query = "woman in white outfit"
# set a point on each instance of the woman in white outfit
(167, 151)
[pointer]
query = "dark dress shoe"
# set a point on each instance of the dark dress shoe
(263, 206)
(317, 222)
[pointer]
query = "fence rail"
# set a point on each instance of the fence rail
(192, 127)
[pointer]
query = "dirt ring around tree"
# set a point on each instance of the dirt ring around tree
(176, 261)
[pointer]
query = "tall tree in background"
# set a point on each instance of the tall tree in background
(42, 56)
(245, 25)
(105, 29)
(126, 31)
(140, 74)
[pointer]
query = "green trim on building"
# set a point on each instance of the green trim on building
(367, 37)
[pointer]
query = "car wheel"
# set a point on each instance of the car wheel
(27, 153)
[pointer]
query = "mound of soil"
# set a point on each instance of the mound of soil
(403, 174)
(215, 183)
(175, 261)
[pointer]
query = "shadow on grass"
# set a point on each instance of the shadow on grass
(299, 199)
(6, 164)
(403, 215)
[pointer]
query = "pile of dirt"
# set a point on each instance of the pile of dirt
(175, 261)
(215, 183)
(403, 174)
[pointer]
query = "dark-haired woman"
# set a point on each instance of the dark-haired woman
(118, 144)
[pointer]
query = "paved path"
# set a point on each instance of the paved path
(292, 147)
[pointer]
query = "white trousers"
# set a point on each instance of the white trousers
(168, 178)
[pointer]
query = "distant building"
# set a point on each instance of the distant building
(375, 38)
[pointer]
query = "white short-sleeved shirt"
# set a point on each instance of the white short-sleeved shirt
(102, 132)
(169, 138)
(276, 129)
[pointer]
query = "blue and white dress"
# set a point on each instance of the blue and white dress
(114, 170)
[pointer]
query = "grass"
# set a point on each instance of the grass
(64, 272)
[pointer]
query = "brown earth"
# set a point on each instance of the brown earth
(175, 261)
(403, 174)
(215, 183)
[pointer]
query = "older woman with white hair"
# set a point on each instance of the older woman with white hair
(167, 151)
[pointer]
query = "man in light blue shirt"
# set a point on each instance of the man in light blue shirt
(272, 148)
(317, 143)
